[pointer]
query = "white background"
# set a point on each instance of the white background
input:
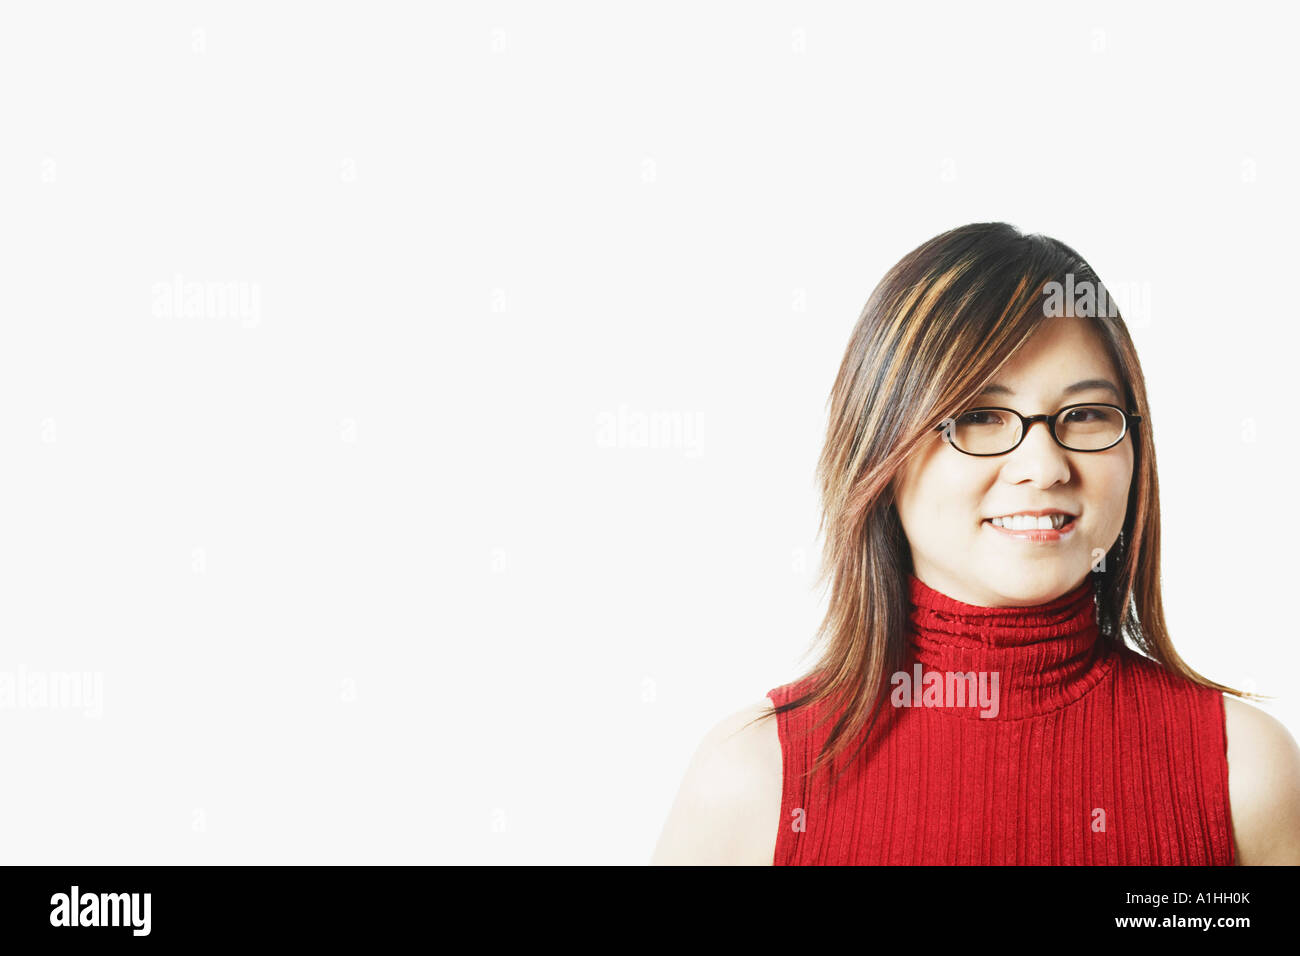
(361, 574)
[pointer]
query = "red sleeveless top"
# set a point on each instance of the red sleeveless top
(1055, 747)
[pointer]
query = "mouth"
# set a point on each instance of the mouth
(1055, 526)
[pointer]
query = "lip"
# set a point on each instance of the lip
(1036, 534)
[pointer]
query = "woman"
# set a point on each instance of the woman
(977, 699)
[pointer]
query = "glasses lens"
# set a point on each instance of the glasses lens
(985, 431)
(1090, 427)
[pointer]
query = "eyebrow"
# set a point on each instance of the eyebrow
(1086, 385)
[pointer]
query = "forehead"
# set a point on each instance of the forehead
(1064, 351)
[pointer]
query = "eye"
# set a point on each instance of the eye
(981, 416)
(1083, 416)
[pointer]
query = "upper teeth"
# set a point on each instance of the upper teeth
(1030, 522)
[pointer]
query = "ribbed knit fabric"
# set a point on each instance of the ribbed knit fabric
(1095, 755)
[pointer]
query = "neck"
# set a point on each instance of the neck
(1033, 660)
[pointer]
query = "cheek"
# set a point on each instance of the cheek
(926, 498)
(950, 499)
(1107, 483)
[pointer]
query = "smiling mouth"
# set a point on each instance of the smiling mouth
(1043, 528)
(1049, 522)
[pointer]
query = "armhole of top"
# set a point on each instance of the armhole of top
(1221, 725)
(791, 758)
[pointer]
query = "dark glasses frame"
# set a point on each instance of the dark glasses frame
(1130, 422)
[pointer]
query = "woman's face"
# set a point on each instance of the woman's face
(945, 498)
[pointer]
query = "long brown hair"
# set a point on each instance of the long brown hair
(938, 327)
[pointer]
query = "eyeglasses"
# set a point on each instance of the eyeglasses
(996, 431)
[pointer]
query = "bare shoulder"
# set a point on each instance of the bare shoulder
(728, 807)
(1263, 786)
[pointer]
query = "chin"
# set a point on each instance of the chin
(1034, 585)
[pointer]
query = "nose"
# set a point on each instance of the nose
(1038, 458)
(1046, 429)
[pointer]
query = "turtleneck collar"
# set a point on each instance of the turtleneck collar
(1044, 657)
